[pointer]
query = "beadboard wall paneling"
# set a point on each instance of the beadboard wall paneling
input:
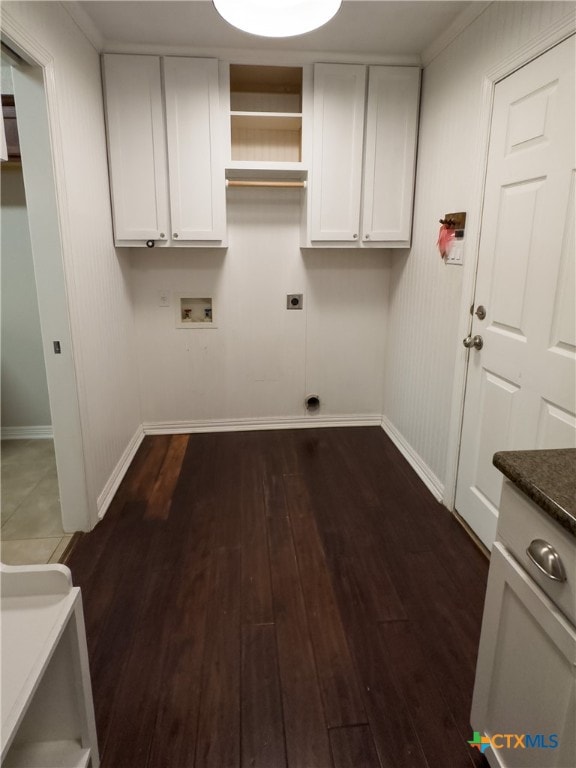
(424, 339)
(261, 359)
(96, 275)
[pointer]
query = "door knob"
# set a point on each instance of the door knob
(473, 341)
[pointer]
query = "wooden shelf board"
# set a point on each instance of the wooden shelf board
(242, 169)
(267, 121)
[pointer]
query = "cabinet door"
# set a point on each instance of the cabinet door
(136, 147)
(390, 154)
(339, 96)
(526, 673)
(196, 171)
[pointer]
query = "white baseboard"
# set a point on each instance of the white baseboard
(419, 466)
(105, 498)
(27, 433)
(249, 425)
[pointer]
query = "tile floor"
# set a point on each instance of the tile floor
(31, 530)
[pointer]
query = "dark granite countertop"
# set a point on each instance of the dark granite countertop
(548, 477)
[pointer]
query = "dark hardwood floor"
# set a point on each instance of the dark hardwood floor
(288, 598)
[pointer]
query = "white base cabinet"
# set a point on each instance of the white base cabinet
(525, 690)
(46, 705)
(165, 150)
(364, 156)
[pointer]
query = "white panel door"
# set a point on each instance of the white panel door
(136, 147)
(521, 385)
(390, 154)
(339, 98)
(196, 170)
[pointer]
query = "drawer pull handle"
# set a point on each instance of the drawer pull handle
(546, 559)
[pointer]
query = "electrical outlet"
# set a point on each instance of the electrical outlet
(163, 298)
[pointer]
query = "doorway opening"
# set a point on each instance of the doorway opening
(43, 474)
(32, 529)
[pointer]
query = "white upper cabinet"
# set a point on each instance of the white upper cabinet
(136, 148)
(164, 143)
(196, 170)
(339, 93)
(390, 154)
(364, 155)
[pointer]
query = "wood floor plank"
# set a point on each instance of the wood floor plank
(353, 747)
(388, 712)
(161, 498)
(111, 586)
(435, 613)
(436, 728)
(178, 703)
(306, 735)
(134, 488)
(119, 613)
(256, 588)
(144, 469)
(132, 704)
(263, 744)
(359, 581)
(218, 743)
(336, 672)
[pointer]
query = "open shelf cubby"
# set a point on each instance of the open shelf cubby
(266, 113)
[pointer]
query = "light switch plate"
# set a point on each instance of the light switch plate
(456, 255)
(163, 298)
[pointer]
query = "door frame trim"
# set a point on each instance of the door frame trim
(554, 35)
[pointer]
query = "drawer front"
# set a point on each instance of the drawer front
(519, 524)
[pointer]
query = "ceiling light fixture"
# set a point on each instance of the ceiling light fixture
(277, 18)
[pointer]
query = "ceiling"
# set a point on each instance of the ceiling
(403, 28)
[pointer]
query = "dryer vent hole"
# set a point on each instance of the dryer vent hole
(312, 403)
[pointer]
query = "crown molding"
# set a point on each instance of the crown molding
(84, 23)
(258, 56)
(458, 25)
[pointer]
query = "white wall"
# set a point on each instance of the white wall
(262, 359)
(424, 338)
(96, 276)
(24, 389)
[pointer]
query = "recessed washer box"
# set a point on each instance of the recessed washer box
(194, 312)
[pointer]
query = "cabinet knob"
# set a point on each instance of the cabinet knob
(149, 243)
(162, 235)
(175, 235)
(366, 237)
(355, 237)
